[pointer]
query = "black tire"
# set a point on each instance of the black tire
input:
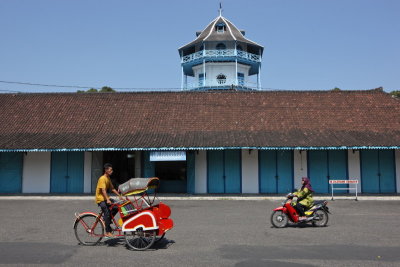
(279, 219)
(140, 240)
(85, 232)
(159, 238)
(321, 218)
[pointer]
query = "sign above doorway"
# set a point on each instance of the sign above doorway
(167, 156)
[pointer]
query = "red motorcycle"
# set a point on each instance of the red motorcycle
(317, 214)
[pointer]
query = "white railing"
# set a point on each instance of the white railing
(215, 84)
(221, 53)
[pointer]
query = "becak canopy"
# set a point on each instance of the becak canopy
(138, 185)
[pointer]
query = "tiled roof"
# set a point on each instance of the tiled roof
(209, 34)
(199, 119)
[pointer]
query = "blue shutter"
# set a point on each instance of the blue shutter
(318, 170)
(67, 172)
(233, 177)
(378, 171)
(215, 171)
(276, 171)
(11, 172)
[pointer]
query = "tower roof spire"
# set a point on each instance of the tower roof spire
(220, 9)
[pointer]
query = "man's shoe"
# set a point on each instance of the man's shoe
(109, 235)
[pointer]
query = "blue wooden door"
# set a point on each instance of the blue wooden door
(11, 172)
(233, 181)
(215, 172)
(338, 168)
(67, 172)
(285, 171)
(318, 170)
(276, 171)
(387, 171)
(378, 171)
(224, 171)
(325, 165)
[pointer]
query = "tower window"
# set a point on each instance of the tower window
(220, 27)
(221, 79)
(240, 76)
(220, 46)
(239, 48)
(201, 79)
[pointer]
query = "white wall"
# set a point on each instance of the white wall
(87, 173)
(201, 172)
(299, 166)
(36, 172)
(250, 171)
(226, 68)
(397, 160)
(354, 168)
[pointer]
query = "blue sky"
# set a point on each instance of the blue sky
(308, 44)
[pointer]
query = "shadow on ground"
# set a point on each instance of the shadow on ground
(35, 253)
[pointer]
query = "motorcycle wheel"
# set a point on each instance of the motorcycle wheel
(279, 219)
(320, 218)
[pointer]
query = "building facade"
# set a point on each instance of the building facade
(219, 135)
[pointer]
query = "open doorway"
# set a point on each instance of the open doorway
(123, 163)
(172, 176)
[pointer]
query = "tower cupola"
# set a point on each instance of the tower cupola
(221, 58)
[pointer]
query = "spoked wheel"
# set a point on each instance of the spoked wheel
(321, 218)
(89, 230)
(279, 219)
(140, 240)
(159, 238)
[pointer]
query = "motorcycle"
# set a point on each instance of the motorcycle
(317, 214)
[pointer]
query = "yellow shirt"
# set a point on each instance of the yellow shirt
(103, 182)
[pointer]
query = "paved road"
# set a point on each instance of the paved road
(208, 233)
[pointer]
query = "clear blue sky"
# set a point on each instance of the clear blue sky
(308, 44)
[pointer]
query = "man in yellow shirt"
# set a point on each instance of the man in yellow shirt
(103, 200)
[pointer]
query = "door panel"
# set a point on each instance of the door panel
(387, 171)
(232, 171)
(59, 172)
(11, 172)
(338, 168)
(276, 171)
(378, 171)
(215, 170)
(67, 172)
(285, 171)
(268, 171)
(75, 172)
(318, 170)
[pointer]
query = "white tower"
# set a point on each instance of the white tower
(221, 58)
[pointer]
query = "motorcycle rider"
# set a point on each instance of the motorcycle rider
(304, 198)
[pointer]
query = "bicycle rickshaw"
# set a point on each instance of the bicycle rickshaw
(143, 218)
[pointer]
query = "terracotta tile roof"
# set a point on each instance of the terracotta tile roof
(199, 119)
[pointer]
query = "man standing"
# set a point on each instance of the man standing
(103, 200)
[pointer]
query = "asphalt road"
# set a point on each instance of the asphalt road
(207, 233)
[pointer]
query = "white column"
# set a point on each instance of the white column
(250, 171)
(236, 71)
(397, 160)
(299, 166)
(204, 73)
(353, 157)
(87, 173)
(201, 172)
(36, 172)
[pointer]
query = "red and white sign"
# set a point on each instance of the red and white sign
(343, 181)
